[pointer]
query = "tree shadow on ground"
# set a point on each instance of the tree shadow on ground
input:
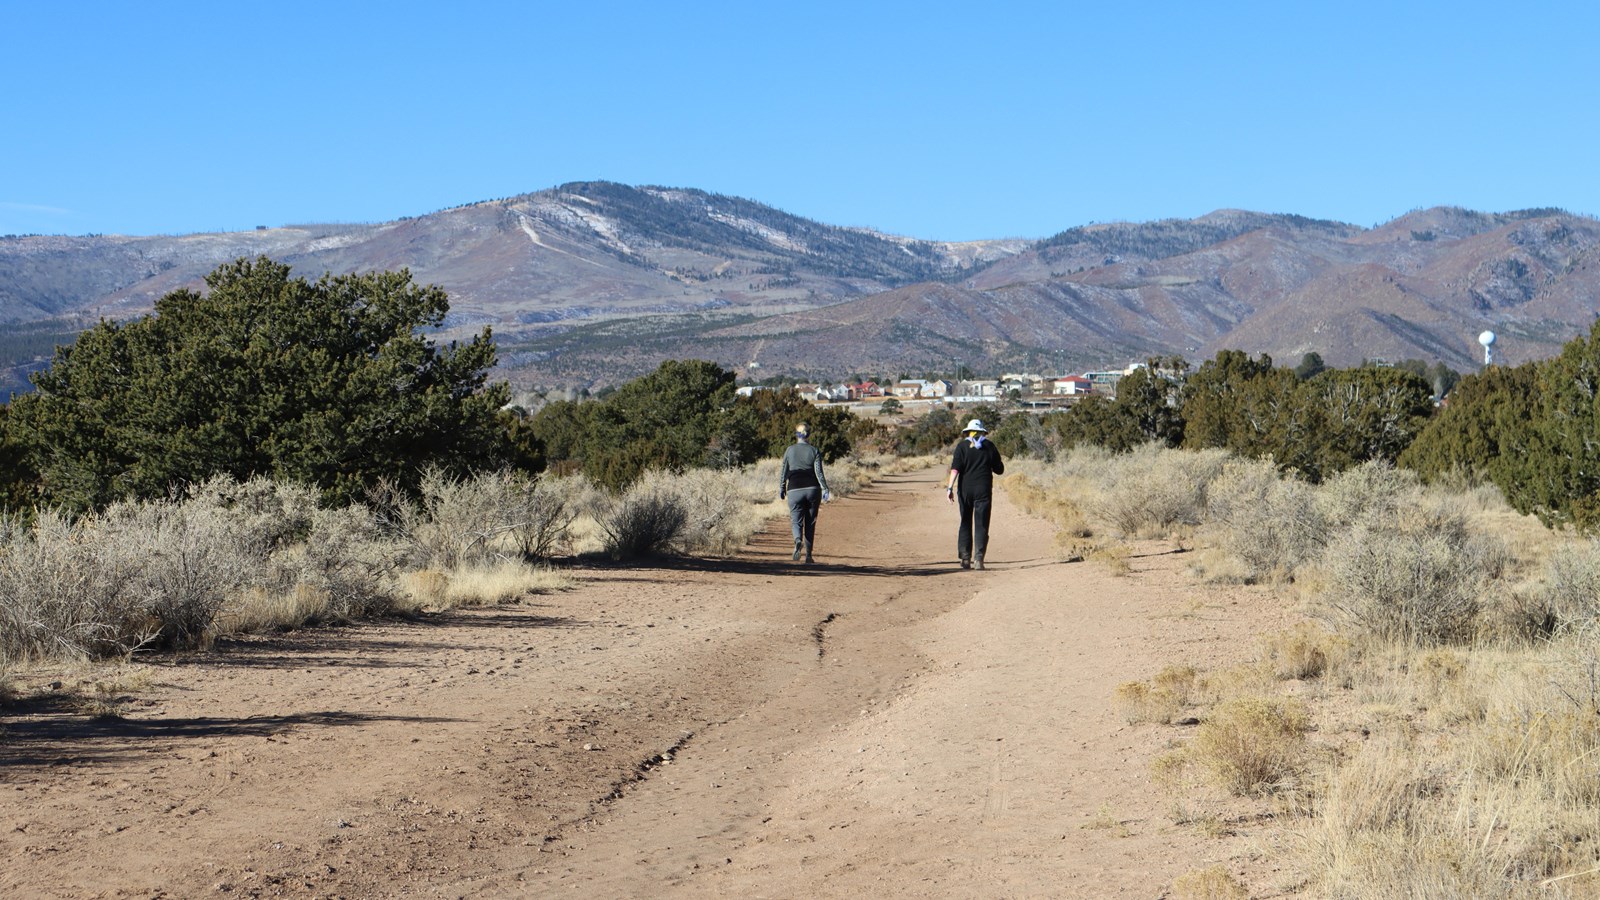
(54, 733)
(359, 645)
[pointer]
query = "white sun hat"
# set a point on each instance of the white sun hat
(976, 425)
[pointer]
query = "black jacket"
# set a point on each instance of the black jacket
(976, 467)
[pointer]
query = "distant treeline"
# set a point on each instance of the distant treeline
(1532, 430)
(25, 345)
(337, 384)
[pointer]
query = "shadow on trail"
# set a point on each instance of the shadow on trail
(358, 646)
(57, 735)
(743, 565)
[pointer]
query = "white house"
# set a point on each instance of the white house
(1071, 385)
(982, 389)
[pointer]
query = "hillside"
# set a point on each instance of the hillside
(576, 252)
(590, 283)
(1420, 287)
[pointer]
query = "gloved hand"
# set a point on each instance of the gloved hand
(783, 495)
(826, 496)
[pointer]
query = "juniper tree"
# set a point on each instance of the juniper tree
(334, 383)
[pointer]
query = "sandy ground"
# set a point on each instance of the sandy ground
(880, 724)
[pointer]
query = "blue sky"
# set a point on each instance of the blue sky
(931, 119)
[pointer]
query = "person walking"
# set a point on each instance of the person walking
(801, 482)
(972, 470)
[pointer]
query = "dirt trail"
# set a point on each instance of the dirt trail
(879, 724)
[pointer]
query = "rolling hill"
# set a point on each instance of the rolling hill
(590, 283)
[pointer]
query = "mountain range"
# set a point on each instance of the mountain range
(590, 283)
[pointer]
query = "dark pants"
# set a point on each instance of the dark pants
(803, 504)
(974, 516)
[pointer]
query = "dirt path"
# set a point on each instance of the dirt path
(880, 724)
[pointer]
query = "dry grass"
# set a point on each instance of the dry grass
(256, 610)
(1253, 745)
(1139, 702)
(502, 582)
(1106, 819)
(98, 690)
(1211, 883)
(1443, 734)
(1306, 651)
(1113, 556)
(1159, 700)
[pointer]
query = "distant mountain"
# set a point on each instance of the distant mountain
(577, 252)
(591, 283)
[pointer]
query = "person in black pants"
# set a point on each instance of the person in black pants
(972, 470)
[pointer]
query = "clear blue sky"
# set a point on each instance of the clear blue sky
(931, 119)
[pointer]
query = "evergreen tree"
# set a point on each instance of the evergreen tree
(1310, 366)
(1345, 417)
(328, 383)
(1557, 475)
(663, 420)
(1149, 396)
(1211, 398)
(1483, 431)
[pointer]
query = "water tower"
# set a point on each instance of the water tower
(1487, 340)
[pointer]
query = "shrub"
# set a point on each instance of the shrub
(1306, 651)
(1371, 493)
(647, 521)
(719, 517)
(189, 558)
(349, 556)
(1251, 744)
(1140, 702)
(63, 597)
(137, 574)
(1152, 488)
(1271, 523)
(1572, 583)
(1418, 581)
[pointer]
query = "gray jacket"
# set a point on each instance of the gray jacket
(801, 468)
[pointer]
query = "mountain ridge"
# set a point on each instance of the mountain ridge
(588, 283)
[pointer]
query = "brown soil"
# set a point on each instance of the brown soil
(879, 724)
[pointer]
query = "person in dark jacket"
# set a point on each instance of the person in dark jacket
(801, 482)
(972, 470)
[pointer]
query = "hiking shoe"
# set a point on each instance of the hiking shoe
(808, 553)
(964, 563)
(797, 548)
(978, 563)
